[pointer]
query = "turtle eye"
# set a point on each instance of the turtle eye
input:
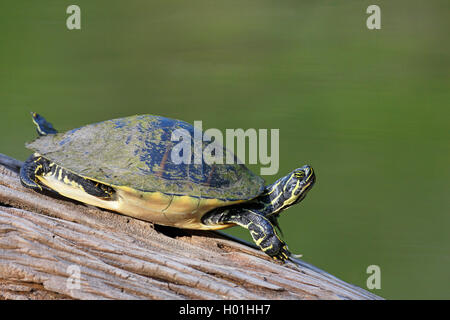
(299, 174)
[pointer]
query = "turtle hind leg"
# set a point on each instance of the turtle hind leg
(36, 166)
(68, 183)
(93, 188)
(43, 127)
(33, 166)
(261, 229)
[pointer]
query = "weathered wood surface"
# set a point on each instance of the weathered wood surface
(43, 239)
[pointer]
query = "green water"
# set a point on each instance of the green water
(369, 110)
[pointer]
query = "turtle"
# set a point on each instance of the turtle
(127, 165)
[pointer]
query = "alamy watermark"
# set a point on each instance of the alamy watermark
(73, 282)
(189, 149)
(373, 22)
(73, 22)
(374, 280)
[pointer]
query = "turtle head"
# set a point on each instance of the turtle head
(298, 184)
(291, 189)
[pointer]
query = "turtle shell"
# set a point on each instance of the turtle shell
(135, 152)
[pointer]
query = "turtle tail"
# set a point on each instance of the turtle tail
(43, 127)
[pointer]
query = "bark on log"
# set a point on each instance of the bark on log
(45, 240)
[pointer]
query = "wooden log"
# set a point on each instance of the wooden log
(55, 248)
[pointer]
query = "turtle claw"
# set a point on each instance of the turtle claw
(282, 255)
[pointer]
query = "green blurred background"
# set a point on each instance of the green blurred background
(369, 110)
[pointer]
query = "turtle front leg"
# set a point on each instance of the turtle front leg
(261, 229)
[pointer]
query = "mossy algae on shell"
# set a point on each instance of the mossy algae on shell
(135, 152)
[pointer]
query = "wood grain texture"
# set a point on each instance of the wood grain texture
(44, 238)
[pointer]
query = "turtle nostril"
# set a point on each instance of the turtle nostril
(308, 173)
(307, 170)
